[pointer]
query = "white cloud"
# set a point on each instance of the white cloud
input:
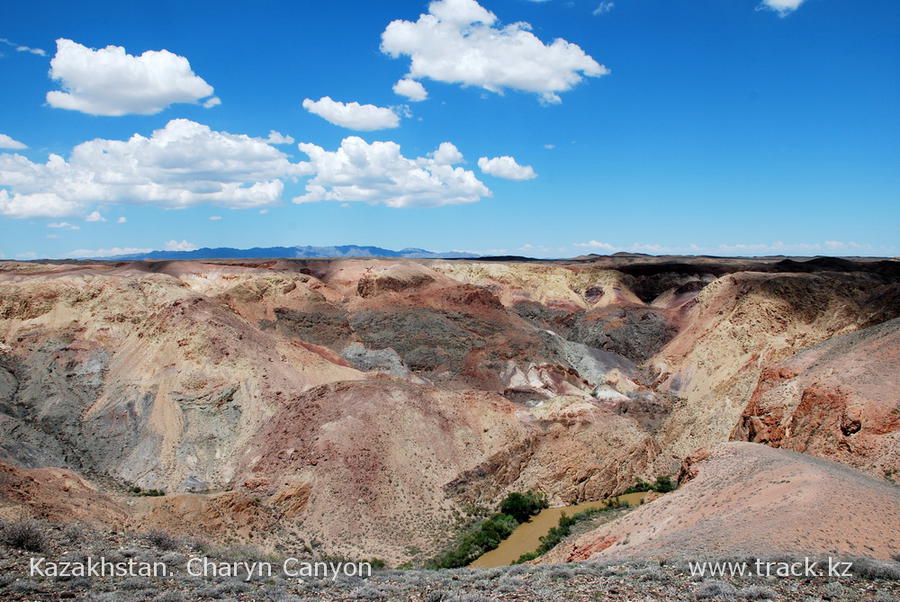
(378, 173)
(549, 146)
(215, 218)
(211, 102)
(111, 82)
(122, 220)
(446, 154)
(278, 138)
(604, 7)
(457, 42)
(411, 89)
(530, 248)
(64, 226)
(34, 205)
(782, 7)
(80, 253)
(506, 167)
(181, 165)
(52, 236)
(22, 48)
(352, 115)
(595, 244)
(740, 249)
(94, 216)
(263, 211)
(174, 245)
(7, 142)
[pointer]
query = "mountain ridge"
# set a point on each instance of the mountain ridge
(298, 251)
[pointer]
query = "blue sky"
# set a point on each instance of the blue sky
(703, 126)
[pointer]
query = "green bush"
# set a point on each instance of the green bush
(661, 485)
(515, 508)
(146, 492)
(523, 506)
(564, 528)
(486, 536)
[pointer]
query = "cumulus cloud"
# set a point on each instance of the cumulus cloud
(411, 89)
(122, 220)
(352, 115)
(278, 138)
(446, 154)
(7, 142)
(23, 48)
(94, 216)
(549, 146)
(378, 173)
(506, 167)
(782, 7)
(110, 81)
(174, 245)
(64, 226)
(603, 8)
(459, 41)
(34, 205)
(181, 165)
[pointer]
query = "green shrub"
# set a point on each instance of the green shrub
(486, 536)
(522, 506)
(515, 508)
(661, 485)
(146, 492)
(564, 528)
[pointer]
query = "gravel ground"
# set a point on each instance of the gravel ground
(622, 580)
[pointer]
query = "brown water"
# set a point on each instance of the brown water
(527, 536)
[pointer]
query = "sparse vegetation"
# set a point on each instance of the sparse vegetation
(564, 528)
(146, 492)
(710, 590)
(25, 535)
(483, 538)
(515, 509)
(631, 579)
(876, 569)
(757, 592)
(662, 484)
(161, 539)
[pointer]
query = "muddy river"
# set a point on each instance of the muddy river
(527, 537)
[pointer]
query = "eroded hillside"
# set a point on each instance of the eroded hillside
(362, 407)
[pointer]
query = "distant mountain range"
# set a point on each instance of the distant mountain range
(294, 252)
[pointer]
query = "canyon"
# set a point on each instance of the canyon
(365, 407)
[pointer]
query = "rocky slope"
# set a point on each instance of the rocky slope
(745, 500)
(838, 400)
(365, 406)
